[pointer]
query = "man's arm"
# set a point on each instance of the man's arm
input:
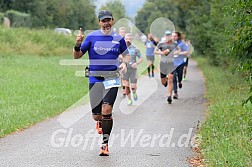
(139, 60)
(77, 54)
(125, 54)
(185, 48)
(126, 58)
(158, 51)
(77, 48)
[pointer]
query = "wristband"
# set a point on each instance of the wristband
(76, 48)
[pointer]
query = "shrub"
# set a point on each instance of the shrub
(19, 19)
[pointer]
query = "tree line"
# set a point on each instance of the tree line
(219, 30)
(54, 13)
(58, 13)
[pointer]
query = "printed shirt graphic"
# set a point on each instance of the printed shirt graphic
(134, 53)
(103, 51)
(149, 48)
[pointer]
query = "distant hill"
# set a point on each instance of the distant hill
(131, 6)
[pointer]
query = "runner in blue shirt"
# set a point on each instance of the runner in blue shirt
(179, 62)
(104, 47)
(150, 45)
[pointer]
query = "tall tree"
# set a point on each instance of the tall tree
(5, 5)
(116, 7)
(153, 10)
(240, 41)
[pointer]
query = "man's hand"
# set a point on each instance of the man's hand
(123, 68)
(134, 65)
(79, 37)
(77, 47)
(166, 52)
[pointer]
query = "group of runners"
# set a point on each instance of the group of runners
(174, 52)
(112, 55)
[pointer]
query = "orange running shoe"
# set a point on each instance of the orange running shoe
(98, 127)
(104, 150)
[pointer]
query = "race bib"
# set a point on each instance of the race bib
(110, 83)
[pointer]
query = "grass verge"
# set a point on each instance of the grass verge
(227, 132)
(34, 88)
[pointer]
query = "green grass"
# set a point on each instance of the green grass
(33, 85)
(34, 88)
(43, 42)
(227, 131)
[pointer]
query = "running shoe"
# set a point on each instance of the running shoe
(98, 127)
(175, 96)
(129, 102)
(165, 85)
(169, 100)
(135, 97)
(104, 150)
(180, 85)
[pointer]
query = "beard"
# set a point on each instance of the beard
(128, 43)
(106, 27)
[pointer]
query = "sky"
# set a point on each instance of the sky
(131, 6)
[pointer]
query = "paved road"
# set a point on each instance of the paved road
(149, 133)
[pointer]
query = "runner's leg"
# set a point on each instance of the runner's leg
(95, 96)
(107, 106)
(170, 87)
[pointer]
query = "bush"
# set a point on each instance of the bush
(19, 19)
(1, 18)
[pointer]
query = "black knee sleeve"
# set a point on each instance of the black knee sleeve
(109, 116)
(106, 125)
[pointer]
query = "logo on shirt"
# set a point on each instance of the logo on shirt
(106, 49)
(116, 42)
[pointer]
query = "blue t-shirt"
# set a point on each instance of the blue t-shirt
(178, 60)
(103, 51)
(149, 48)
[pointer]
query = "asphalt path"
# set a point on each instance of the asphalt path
(151, 132)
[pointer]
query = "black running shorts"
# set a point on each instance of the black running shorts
(99, 95)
